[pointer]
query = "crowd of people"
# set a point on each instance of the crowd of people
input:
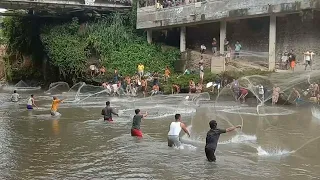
(139, 82)
(288, 60)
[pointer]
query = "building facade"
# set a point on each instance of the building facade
(270, 26)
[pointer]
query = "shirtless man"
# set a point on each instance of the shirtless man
(155, 90)
(175, 89)
(192, 86)
(144, 85)
(107, 112)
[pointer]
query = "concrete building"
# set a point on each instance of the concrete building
(271, 26)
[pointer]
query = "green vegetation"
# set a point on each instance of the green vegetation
(71, 46)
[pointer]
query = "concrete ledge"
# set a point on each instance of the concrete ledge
(209, 11)
(73, 4)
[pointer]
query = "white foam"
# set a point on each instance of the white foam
(240, 138)
(186, 146)
(273, 152)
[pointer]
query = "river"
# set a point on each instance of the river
(79, 145)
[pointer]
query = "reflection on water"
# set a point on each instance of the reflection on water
(79, 145)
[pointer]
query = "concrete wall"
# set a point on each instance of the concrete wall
(202, 12)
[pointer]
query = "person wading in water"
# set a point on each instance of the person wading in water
(54, 106)
(213, 138)
(175, 129)
(107, 112)
(135, 129)
(31, 103)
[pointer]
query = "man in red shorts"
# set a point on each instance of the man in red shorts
(107, 112)
(243, 94)
(135, 130)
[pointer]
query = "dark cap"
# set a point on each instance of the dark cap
(213, 124)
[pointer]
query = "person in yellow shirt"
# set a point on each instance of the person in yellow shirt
(140, 70)
(166, 74)
(54, 106)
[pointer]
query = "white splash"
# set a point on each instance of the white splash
(240, 138)
(272, 152)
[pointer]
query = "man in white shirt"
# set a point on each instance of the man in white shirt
(174, 132)
(308, 59)
(15, 96)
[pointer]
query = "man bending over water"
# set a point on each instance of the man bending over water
(107, 112)
(175, 129)
(55, 105)
(213, 138)
(135, 130)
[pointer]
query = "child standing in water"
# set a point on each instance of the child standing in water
(31, 103)
(213, 138)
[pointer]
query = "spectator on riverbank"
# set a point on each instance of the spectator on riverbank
(155, 78)
(93, 69)
(115, 76)
(140, 70)
(166, 74)
(308, 56)
(175, 89)
(199, 88)
(284, 61)
(228, 55)
(237, 49)
(144, 85)
(214, 46)
(226, 44)
(192, 86)
(292, 59)
(102, 70)
(155, 89)
(201, 68)
(202, 48)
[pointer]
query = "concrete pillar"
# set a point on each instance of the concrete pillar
(149, 36)
(272, 42)
(183, 39)
(223, 35)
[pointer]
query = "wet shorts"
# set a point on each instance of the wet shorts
(173, 141)
(29, 107)
(210, 154)
(136, 132)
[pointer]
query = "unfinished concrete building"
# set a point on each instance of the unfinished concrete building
(271, 26)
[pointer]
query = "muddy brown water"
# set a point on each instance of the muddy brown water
(79, 145)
